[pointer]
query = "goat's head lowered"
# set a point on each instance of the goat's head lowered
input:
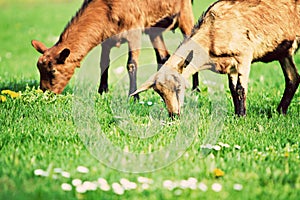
(169, 84)
(54, 67)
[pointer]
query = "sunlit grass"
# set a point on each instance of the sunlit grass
(43, 155)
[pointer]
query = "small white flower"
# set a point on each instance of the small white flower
(66, 187)
(65, 174)
(217, 147)
(102, 181)
(80, 189)
(184, 184)
(206, 146)
(132, 185)
(145, 186)
(193, 186)
(142, 102)
(217, 187)
(39, 172)
(142, 179)
(202, 187)
(118, 189)
(192, 180)
(57, 170)
(224, 145)
(150, 103)
(128, 185)
(186, 154)
(238, 187)
(105, 187)
(54, 176)
(168, 184)
(89, 185)
(82, 169)
(76, 182)
(124, 181)
(237, 147)
(45, 174)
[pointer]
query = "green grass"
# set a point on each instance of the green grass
(40, 130)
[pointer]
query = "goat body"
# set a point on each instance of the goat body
(230, 36)
(98, 20)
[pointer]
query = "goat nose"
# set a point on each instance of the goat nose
(42, 88)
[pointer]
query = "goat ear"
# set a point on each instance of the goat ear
(145, 86)
(185, 62)
(62, 56)
(40, 47)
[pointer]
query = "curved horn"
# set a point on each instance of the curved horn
(145, 86)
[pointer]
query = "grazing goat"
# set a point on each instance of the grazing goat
(98, 20)
(230, 36)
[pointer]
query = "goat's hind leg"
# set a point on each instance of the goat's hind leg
(292, 80)
(104, 65)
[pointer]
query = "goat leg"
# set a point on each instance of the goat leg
(104, 65)
(132, 65)
(238, 84)
(195, 82)
(160, 48)
(232, 81)
(292, 80)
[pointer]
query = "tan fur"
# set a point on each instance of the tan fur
(96, 21)
(234, 33)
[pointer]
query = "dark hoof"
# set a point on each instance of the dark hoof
(282, 111)
(196, 89)
(135, 97)
(102, 90)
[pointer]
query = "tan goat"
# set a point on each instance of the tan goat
(227, 39)
(98, 20)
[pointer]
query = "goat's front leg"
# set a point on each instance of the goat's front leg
(292, 80)
(160, 48)
(238, 84)
(132, 70)
(104, 65)
(186, 24)
(134, 45)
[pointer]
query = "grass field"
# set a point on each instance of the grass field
(42, 146)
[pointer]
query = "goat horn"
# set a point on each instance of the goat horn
(145, 86)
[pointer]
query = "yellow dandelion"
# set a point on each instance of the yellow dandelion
(218, 172)
(12, 94)
(2, 98)
(38, 91)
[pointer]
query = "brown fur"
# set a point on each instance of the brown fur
(230, 36)
(96, 21)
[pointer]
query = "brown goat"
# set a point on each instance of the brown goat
(230, 36)
(98, 20)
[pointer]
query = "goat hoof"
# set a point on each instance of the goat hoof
(280, 110)
(196, 89)
(102, 90)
